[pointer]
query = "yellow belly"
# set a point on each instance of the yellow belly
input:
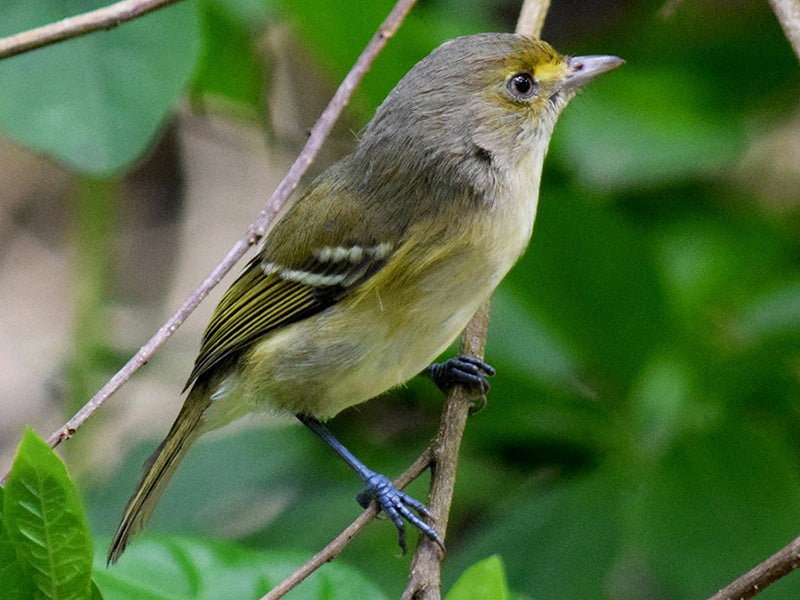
(392, 327)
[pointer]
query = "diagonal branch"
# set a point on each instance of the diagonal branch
(107, 17)
(780, 564)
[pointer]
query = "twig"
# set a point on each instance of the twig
(788, 13)
(277, 203)
(332, 550)
(759, 577)
(425, 575)
(531, 17)
(107, 17)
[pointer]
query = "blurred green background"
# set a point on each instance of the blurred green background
(642, 436)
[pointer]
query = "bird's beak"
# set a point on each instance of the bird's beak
(582, 69)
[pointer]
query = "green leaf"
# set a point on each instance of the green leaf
(173, 568)
(229, 66)
(774, 313)
(546, 536)
(717, 505)
(44, 519)
(622, 134)
(96, 593)
(590, 275)
(485, 580)
(95, 102)
(15, 580)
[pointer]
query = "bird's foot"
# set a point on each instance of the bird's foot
(464, 369)
(397, 505)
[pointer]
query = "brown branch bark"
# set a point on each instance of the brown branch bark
(424, 581)
(531, 17)
(759, 577)
(107, 17)
(788, 13)
(276, 205)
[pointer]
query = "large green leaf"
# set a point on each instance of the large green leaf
(485, 580)
(15, 580)
(229, 66)
(44, 519)
(95, 102)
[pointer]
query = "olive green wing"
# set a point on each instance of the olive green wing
(267, 296)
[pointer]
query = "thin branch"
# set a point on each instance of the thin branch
(332, 550)
(531, 17)
(759, 577)
(424, 581)
(107, 17)
(788, 13)
(276, 205)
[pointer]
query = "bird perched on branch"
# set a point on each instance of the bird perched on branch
(379, 265)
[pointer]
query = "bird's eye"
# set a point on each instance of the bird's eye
(522, 86)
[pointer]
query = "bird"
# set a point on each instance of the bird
(381, 262)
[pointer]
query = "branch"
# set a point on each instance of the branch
(531, 17)
(107, 17)
(759, 577)
(425, 576)
(788, 13)
(276, 205)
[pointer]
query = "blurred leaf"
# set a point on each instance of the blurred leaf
(770, 314)
(229, 66)
(15, 581)
(546, 536)
(96, 593)
(663, 401)
(253, 14)
(426, 26)
(718, 504)
(708, 259)
(528, 346)
(43, 516)
(96, 102)
(485, 580)
(590, 275)
(643, 128)
(171, 568)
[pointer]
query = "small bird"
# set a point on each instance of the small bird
(382, 261)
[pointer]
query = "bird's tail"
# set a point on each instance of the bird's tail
(159, 468)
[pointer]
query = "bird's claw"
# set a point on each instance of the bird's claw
(397, 505)
(465, 369)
